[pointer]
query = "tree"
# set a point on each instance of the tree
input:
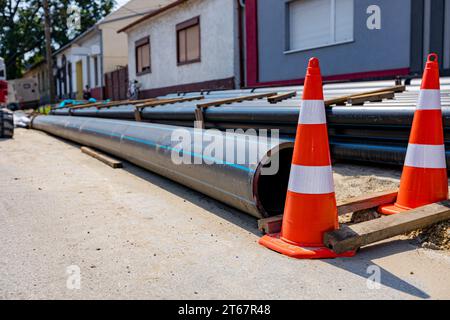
(22, 30)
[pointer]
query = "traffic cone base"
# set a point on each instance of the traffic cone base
(310, 233)
(434, 180)
(275, 243)
(391, 209)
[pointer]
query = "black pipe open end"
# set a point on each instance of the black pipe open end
(270, 189)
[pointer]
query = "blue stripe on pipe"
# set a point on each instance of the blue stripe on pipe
(163, 127)
(153, 144)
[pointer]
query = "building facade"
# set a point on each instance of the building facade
(79, 66)
(354, 39)
(39, 73)
(82, 64)
(188, 45)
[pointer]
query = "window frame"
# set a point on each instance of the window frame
(138, 44)
(289, 50)
(184, 26)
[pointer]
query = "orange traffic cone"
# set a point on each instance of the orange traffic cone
(424, 178)
(310, 209)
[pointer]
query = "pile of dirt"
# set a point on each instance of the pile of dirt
(354, 181)
(436, 237)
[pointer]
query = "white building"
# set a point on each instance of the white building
(86, 59)
(188, 45)
(79, 65)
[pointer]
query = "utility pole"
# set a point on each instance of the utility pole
(48, 49)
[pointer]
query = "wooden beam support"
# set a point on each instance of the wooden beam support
(366, 202)
(199, 119)
(343, 99)
(137, 115)
(361, 234)
(217, 103)
(101, 105)
(124, 102)
(374, 97)
(280, 97)
(81, 106)
(270, 225)
(113, 163)
(162, 102)
(273, 224)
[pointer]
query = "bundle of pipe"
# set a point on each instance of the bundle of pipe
(246, 185)
(375, 133)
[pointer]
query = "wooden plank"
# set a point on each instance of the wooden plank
(280, 97)
(374, 97)
(344, 99)
(124, 103)
(113, 163)
(273, 224)
(152, 102)
(85, 106)
(199, 119)
(137, 115)
(366, 202)
(361, 234)
(101, 105)
(270, 225)
(80, 106)
(236, 99)
(168, 101)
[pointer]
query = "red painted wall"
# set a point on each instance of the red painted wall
(97, 93)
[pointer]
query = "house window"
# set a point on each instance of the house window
(188, 41)
(319, 23)
(143, 64)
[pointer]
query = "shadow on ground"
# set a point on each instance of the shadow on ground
(221, 210)
(359, 264)
(356, 265)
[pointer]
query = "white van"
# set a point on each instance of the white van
(23, 94)
(3, 83)
(2, 69)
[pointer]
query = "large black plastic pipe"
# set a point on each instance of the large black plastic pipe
(241, 184)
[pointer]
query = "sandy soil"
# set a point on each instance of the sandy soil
(134, 234)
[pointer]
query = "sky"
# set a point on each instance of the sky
(121, 3)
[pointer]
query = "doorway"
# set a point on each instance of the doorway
(79, 74)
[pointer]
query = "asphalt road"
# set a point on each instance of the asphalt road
(135, 235)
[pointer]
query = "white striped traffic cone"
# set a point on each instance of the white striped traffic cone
(310, 209)
(424, 179)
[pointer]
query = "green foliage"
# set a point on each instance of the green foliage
(44, 109)
(22, 40)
